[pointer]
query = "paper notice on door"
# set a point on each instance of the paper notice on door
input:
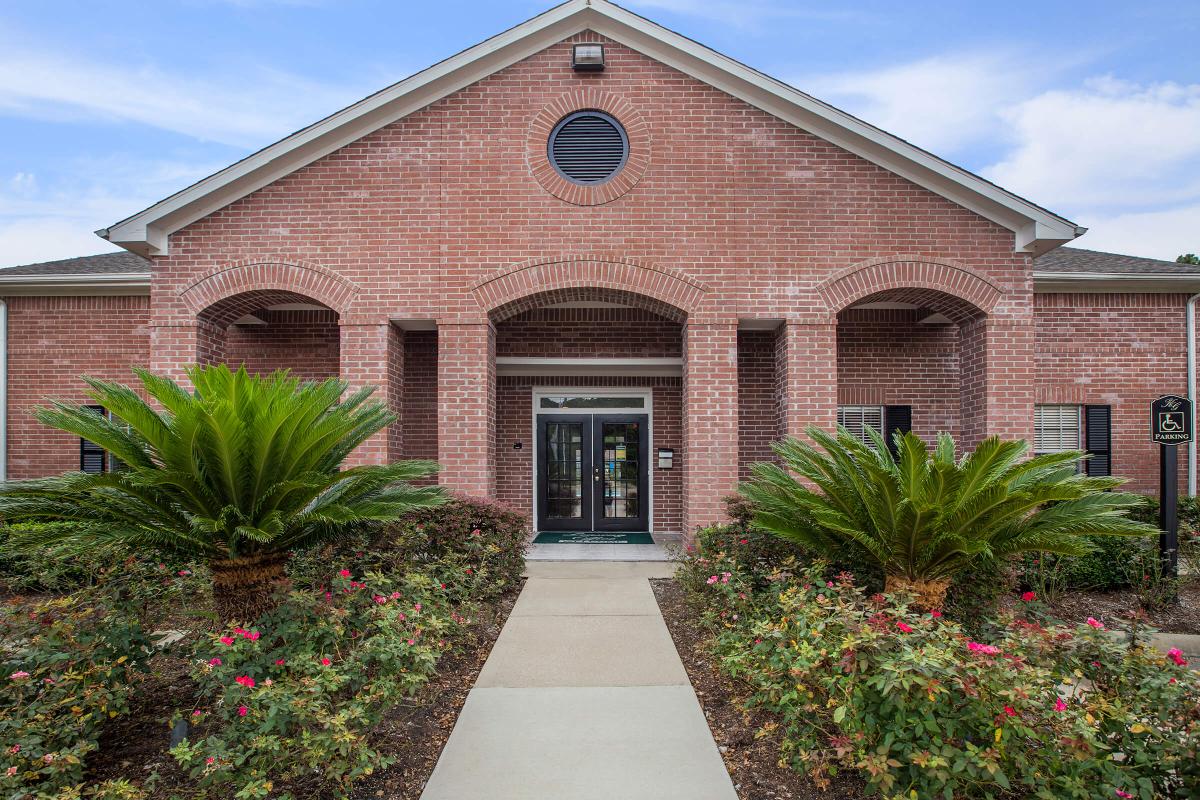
(620, 452)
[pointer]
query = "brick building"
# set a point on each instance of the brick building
(598, 294)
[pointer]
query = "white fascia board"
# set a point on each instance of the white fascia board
(514, 365)
(1111, 282)
(79, 284)
(1035, 229)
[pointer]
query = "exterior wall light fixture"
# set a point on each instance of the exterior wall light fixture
(587, 57)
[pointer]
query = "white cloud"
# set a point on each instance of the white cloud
(250, 108)
(1110, 145)
(942, 103)
(1153, 234)
(43, 223)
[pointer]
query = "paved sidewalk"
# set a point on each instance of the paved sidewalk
(583, 697)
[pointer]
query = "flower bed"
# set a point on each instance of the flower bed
(918, 708)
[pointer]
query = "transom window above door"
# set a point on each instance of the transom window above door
(581, 401)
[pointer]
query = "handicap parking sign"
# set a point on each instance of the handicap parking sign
(1171, 420)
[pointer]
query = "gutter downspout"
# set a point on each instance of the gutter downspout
(1191, 388)
(3, 390)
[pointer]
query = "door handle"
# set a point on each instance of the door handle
(596, 473)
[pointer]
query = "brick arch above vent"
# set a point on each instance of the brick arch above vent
(296, 281)
(941, 285)
(534, 284)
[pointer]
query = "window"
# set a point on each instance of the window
(588, 147)
(1056, 428)
(92, 457)
(886, 420)
(591, 401)
(857, 419)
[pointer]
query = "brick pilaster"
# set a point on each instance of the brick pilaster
(806, 371)
(467, 407)
(373, 355)
(710, 457)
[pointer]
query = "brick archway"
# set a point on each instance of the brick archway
(663, 291)
(289, 280)
(950, 288)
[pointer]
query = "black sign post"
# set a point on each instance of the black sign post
(1170, 426)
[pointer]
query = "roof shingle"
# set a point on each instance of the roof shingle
(117, 263)
(1076, 259)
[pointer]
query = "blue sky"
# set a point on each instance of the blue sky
(1092, 110)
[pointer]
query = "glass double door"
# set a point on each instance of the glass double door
(592, 472)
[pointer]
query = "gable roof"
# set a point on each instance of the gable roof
(1034, 228)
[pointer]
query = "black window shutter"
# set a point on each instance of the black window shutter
(91, 455)
(1097, 437)
(896, 419)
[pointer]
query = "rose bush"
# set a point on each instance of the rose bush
(916, 706)
(299, 692)
(67, 665)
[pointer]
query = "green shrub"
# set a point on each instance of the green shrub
(920, 710)
(301, 691)
(924, 515)
(1110, 565)
(67, 665)
(475, 547)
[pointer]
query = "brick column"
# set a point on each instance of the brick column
(373, 355)
(173, 347)
(467, 407)
(806, 375)
(997, 394)
(710, 408)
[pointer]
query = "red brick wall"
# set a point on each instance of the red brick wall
(514, 468)
(420, 403)
(885, 357)
(51, 342)
(305, 342)
(589, 333)
(1122, 350)
(758, 409)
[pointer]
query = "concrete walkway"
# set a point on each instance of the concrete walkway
(583, 697)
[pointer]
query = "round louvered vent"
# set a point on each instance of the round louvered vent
(588, 147)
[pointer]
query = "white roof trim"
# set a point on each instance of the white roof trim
(1036, 230)
(1115, 282)
(112, 283)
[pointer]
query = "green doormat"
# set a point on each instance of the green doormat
(592, 537)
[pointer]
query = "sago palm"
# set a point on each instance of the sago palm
(237, 472)
(924, 515)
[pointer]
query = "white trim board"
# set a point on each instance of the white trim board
(642, 367)
(1035, 229)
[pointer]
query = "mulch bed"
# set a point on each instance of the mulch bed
(751, 757)
(1119, 606)
(135, 746)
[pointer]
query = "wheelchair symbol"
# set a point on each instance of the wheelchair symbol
(1170, 421)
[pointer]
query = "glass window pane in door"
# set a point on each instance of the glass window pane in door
(564, 470)
(622, 465)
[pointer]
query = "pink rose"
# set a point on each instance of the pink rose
(196, 713)
(325, 662)
(210, 761)
(226, 640)
(412, 641)
(11, 771)
(712, 579)
(19, 675)
(1028, 597)
(417, 607)
(1176, 655)
(1120, 793)
(935, 614)
(252, 635)
(1059, 705)
(214, 662)
(905, 628)
(243, 711)
(1009, 712)
(380, 599)
(245, 680)
(279, 662)
(345, 573)
(986, 649)
(1095, 623)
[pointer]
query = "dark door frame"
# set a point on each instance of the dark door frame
(592, 494)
